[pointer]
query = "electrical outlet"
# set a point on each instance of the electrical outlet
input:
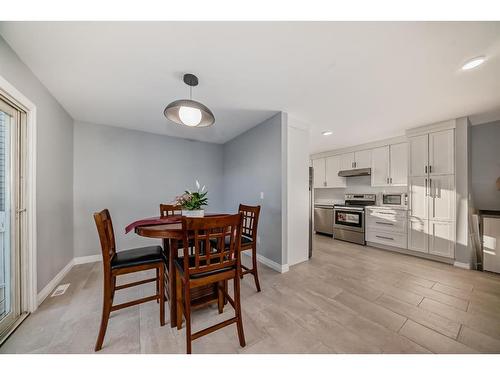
(261, 195)
(60, 290)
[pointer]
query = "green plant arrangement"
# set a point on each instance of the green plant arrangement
(192, 201)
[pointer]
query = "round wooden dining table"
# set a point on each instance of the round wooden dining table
(170, 233)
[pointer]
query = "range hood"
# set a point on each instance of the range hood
(355, 172)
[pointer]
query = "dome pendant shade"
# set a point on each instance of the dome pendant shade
(190, 113)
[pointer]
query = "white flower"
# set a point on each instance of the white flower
(203, 189)
(197, 185)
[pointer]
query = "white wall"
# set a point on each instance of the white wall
(485, 150)
(131, 173)
(296, 215)
(54, 169)
(252, 164)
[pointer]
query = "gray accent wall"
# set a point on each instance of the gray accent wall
(54, 170)
(130, 172)
(253, 164)
(485, 147)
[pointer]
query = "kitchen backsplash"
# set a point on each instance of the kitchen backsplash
(355, 185)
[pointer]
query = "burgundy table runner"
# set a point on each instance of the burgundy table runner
(158, 221)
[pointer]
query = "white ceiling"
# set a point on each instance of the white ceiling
(364, 81)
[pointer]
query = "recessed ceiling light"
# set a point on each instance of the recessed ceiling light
(327, 132)
(474, 63)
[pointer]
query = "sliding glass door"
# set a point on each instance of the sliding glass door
(12, 134)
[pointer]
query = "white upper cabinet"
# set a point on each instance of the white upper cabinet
(362, 159)
(419, 189)
(441, 152)
(380, 166)
(390, 165)
(332, 172)
(399, 164)
(442, 197)
(319, 178)
(347, 161)
(419, 151)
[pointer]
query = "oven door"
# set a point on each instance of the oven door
(349, 218)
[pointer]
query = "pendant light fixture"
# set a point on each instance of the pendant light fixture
(189, 112)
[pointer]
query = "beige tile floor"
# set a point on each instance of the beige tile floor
(346, 299)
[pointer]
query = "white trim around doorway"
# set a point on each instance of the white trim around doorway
(29, 267)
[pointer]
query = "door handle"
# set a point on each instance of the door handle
(381, 222)
(385, 238)
(425, 187)
(391, 179)
(21, 210)
(430, 168)
(425, 168)
(430, 187)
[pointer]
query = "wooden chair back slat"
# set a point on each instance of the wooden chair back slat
(204, 231)
(106, 236)
(250, 220)
(170, 210)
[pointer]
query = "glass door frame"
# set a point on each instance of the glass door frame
(25, 212)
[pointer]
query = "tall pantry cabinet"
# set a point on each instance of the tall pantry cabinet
(431, 227)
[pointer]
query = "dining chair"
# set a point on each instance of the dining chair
(125, 262)
(170, 210)
(249, 239)
(214, 267)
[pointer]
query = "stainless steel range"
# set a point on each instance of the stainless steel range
(349, 218)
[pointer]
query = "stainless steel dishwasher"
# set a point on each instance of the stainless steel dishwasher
(323, 219)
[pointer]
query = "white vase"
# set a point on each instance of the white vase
(193, 213)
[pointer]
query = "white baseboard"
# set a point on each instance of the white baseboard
(282, 268)
(465, 266)
(44, 293)
(88, 259)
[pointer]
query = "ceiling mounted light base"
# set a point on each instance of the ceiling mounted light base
(189, 112)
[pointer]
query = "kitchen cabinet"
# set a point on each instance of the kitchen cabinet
(333, 180)
(347, 161)
(399, 164)
(419, 204)
(390, 165)
(380, 166)
(441, 152)
(442, 238)
(418, 238)
(419, 155)
(356, 160)
(362, 159)
(319, 173)
(441, 195)
(386, 226)
(432, 193)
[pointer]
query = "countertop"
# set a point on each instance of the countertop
(401, 208)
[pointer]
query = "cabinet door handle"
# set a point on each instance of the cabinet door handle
(430, 168)
(425, 169)
(425, 187)
(381, 222)
(391, 180)
(385, 238)
(355, 164)
(430, 187)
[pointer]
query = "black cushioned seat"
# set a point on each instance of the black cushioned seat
(179, 262)
(137, 257)
(244, 241)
